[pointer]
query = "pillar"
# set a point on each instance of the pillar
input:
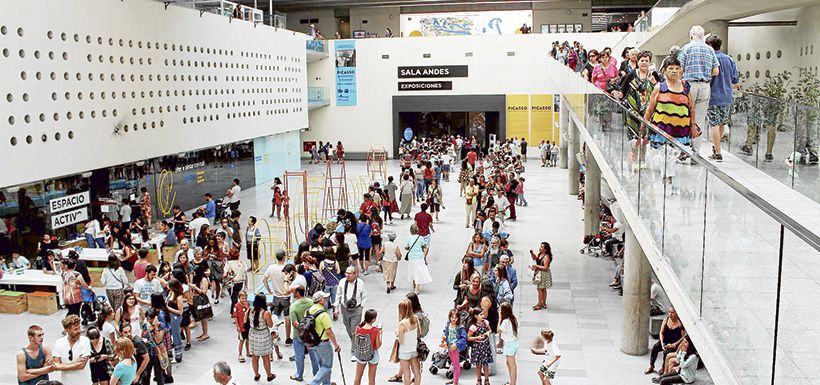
(720, 28)
(636, 285)
(592, 195)
(572, 160)
(564, 133)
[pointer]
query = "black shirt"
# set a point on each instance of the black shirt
(83, 270)
(141, 349)
(513, 186)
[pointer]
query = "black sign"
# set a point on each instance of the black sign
(425, 86)
(433, 72)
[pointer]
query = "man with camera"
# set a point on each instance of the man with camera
(350, 302)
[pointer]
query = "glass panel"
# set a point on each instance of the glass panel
(739, 280)
(653, 189)
(804, 172)
(798, 334)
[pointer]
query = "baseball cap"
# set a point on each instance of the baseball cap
(317, 296)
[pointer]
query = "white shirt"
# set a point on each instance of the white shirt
(143, 289)
(92, 228)
(352, 243)
(197, 223)
(502, 204)
(125, 213)
(81, 348)
(276, 278)
(446, 159)
(487, 227)
(298, 280)
(114, 279)
(390, 249)
(550, 352)
(235, 190)
(505, 331)
(108, 329)
(342, 297)
(190, 253)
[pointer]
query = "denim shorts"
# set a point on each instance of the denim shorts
(373, 361)
(404, 356)
(510, 348)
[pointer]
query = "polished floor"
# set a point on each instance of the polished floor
(585, 314)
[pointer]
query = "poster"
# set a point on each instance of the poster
(345, 72)
(541, 119)
(518, 116)
(464, 23)
(553, 28)
(562, 28)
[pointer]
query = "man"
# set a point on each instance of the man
(148, 285)
(185, 248)
(296, 314)
(209, 209)
(170, 236)
(276, 276)
(512, 195)
(525, 29)
(350, 300)
(71, 354)
(222, 374)
(699, 66)
(471, 194)
(720, 100)
(471, 157)
(323, 351)
(523, 145)
(512, 275)
(141, 354)
(82, 268)
(502, 204)
(196, 224)
(125, 214)
(425, 223)
(236, 230)
(233, 195)
(34, 361)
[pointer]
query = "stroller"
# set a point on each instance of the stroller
(594, 245)
(223, 209)
(441, 361)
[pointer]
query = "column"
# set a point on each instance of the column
(564, 133)
(592, 195)
(720, 28)
(572, 161)
(636, 284)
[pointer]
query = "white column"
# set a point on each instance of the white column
(592, 195)
(636, 285)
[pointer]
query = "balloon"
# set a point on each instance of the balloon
(408, 134)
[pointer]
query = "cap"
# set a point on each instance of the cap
(317, 296)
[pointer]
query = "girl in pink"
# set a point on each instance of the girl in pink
(520, 191)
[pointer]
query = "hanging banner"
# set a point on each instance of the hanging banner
(518, 116)
(541, 119)
(69, 218)
(464, 23)
(345, 72)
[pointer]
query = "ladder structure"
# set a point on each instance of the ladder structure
(377, 165)
(296, 217)
(335, 196)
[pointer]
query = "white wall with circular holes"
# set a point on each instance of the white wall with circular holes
(93, 83)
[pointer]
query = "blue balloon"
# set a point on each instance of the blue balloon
(408, 134)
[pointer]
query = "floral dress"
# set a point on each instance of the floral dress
(481, 353)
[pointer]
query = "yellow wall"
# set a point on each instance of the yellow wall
(518, 116)
(541, 119)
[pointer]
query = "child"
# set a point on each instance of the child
(552, 358)
(240, 315)
(520, 191)
(481, 353)
(277, 203)
(274, 333)
(455, 340)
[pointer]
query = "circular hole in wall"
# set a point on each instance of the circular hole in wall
(29, 139)
(23, 75)
(63, 36)
(11, 120)
(44, 138)
(57, 136)
(27, 118)
(13, 141)
(21, 53)
(71, 134)
(42, 117)
(25, 97)
(50, 34)
(757, 74)
(5, 52)
(9, 97)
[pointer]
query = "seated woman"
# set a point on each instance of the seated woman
(683, 371)
(671, 336)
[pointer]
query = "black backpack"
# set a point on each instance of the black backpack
(307, 329)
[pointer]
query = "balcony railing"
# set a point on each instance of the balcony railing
(318, 97)
(316, 46)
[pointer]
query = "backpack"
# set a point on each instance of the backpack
(317, 283)
(362, 347)
(376, 231)
(424, 324)
(307, 329)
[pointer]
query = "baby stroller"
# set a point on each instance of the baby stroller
(223, 208)
(594, 245)
(441, 361)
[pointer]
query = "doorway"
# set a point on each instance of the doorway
(344, 27)
(429, 124)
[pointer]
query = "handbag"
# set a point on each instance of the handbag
(394, 351)
(202, 307)
(422, 350)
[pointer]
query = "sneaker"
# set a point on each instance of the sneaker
(769, 157)
(716, 157)
(746, 150)
(288, 341)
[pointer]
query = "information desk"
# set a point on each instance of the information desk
(34, 278)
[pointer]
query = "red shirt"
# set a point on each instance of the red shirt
(471, 157)
(239, 315)
(423, 221)
(372, 332)
(428, 173)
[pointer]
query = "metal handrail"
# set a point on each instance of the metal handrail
(810, 237)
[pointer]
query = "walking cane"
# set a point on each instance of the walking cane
(341, 367)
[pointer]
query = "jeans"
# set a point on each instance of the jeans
(332, 291)
(159, 375)
(324, 356)
(299, 351)
(237, 287)
(421, 187)
(176, 335)
(89, 239)
(671, 378)
(522, 201)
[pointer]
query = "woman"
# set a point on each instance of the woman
(405, 195)
(200, 288)
(462, 279)
(129, 254)
(130, 313)
(112, 242)
(363, 242)
(636, 90)
(434, 198)
(508, 340)
(502, 286)
(476, 250)
(105, 323)
(216, 264)
(126, 368)
(101, 352)
(418, 273)
(259, 337)
(160, 307)
(73, 283)
(489, 308)
(145, 205)
(277, 202)
(252, 236)
(367, 328)
(408, 336)
(590, 65)
(473, 294)
(330, 272)
(176, 307)
(687, 365)
(671, 108)
(542, 275)
(671, 336)
(340, 152)
(481, 354)
(235, 275)
(463, 177)
(604, 72)
(114, 281)
(390, 261)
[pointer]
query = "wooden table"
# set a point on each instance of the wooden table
(35, 278)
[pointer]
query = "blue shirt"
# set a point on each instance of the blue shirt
(210, 209)
(363, 235)
(125, 373)
(721, 94)
(170, 238)
(513, 277)
(697, 60)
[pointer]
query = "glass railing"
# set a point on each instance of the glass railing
(318, 95)
(225, 8)
(316, 46)
(751, 273)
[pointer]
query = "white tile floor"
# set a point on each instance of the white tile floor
(584, 312)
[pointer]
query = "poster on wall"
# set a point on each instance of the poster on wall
(579, 27)
(464, 23)
(518, 116)
(345, 72)
(541, 119)
(562, 28)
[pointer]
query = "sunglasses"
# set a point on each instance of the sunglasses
(71, 355)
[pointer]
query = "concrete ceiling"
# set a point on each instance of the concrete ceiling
(291, 5)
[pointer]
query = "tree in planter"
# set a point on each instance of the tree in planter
(767, 113)
(807, 92)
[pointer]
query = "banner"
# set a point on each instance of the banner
(345, 72)
(541, 119)
(518, 116)
(69, 218)
(464, 23)
(69, 202)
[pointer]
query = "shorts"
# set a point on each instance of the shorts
(435, 208)
(373, 361)
(404, 356)
(242, 335)
(186, 317)
(717, 115)
(281, 306)
(426, 239)
(510, 348)
(445, 168)
(376, 240)
(355, 257)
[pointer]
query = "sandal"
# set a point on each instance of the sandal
(537, 307)
(395, 378)
(241, 360)
(649, 371)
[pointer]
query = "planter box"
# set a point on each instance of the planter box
(42, 302)
(96, 276)
(13, 302)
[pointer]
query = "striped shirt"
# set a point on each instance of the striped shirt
(697, 60)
